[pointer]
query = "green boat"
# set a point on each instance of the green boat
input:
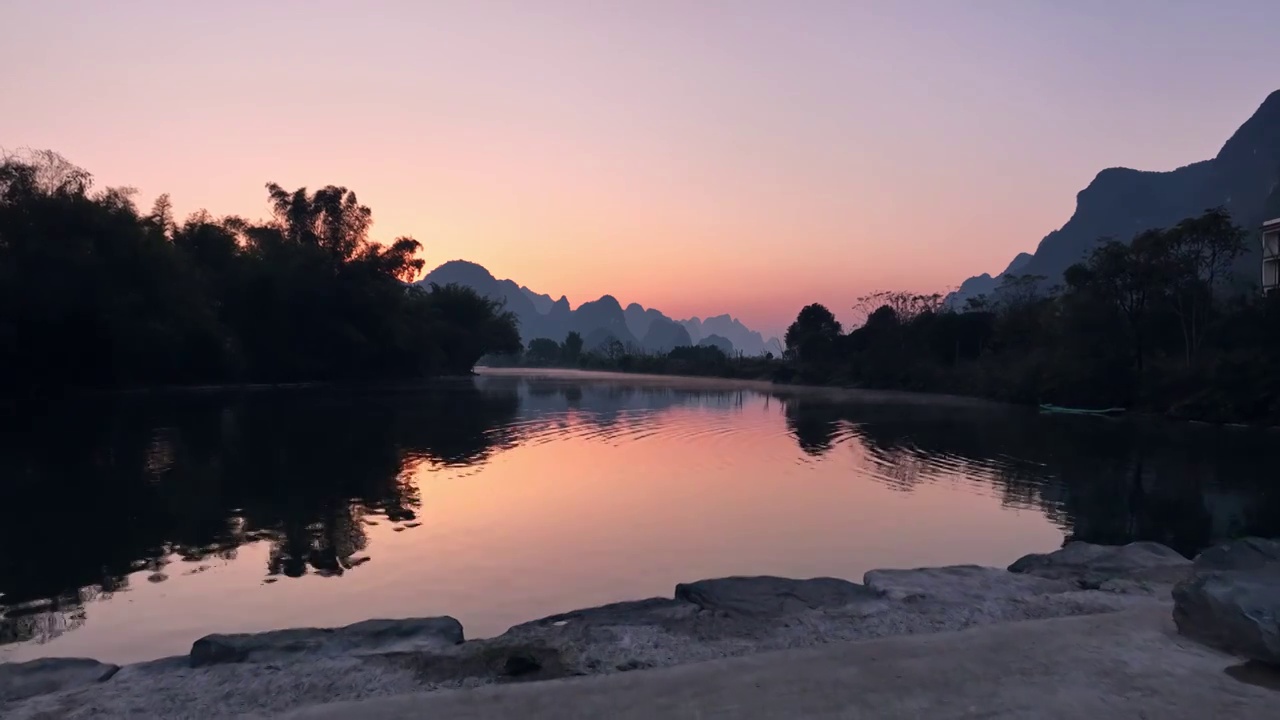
(1045, 407)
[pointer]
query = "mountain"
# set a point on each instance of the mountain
(601, 318)
(744, 339)
(1244, 177)
(519, 300)
(541, 303)
(598, 321)
(639, 319)
(664, 334)
(723, 343)
(984, 284)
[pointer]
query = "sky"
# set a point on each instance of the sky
(698, 156)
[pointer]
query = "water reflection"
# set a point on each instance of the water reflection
(102, 493)
(100, 489)
(1102, 480)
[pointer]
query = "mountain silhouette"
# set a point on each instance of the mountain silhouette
(541, 303)
(665, 334)
(639, 319)
(1244, 177)
(744, 339)
(717, 341)
(598, 321)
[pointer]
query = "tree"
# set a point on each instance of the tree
(906, 306)
(614, 349)
(1196, 255)
(331, 219)
(469, 326)
(571, 351)
(543, 351)
(1127, 277)
(94, 293)
(813, 336)
(161, 217)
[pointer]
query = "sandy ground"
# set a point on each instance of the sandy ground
(1128, 664)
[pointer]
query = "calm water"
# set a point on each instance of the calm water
(130, 527)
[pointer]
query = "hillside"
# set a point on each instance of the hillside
(1243, 177)
(599, 321)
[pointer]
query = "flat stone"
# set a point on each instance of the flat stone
(19, 681)
(370, 636)
(1088, 566)
(652, 611)
(767, 596)
(1249, 553)
(1235, 611)
(961, 584)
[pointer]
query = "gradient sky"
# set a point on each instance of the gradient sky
(696, 156)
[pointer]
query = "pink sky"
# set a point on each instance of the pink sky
(699, 157)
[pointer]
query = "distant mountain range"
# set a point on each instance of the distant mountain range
(598, 321)
(1244, 178)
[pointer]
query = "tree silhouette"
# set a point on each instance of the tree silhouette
(94, 293)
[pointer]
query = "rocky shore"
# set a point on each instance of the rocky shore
(1226, 599)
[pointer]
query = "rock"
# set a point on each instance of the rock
(483, 661)
(771, 596)
(1235, 611)
(521, 663)
(653, 611)
(1088, 566)
(1124, 586)
(1232, 599)
(961, 584)
(19, 681)
(1244, 554)
(370, 636)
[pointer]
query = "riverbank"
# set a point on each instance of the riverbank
(772, 384)
(282, 671)
(1122, 665)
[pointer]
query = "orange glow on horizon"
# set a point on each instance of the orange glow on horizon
(738, 158)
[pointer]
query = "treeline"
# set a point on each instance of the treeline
(1157, 324)
(614, 355)
(95, 293)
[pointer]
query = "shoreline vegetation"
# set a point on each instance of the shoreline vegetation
(281, 670)
(1159, 325)
(96, 294)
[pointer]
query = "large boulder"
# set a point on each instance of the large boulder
(1238, 612)
(1232, 599)
(1244, 554)
(767, 596)
(19, 681)
(1138, 565)
(961, 584)
(370, 636)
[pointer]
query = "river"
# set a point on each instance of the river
(130, 525)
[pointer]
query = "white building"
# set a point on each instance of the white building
(1270, 255)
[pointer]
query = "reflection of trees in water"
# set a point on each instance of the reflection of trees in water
(45, 619)
(815, 425)
(608, 401)
(1101, 481)
(99, 489)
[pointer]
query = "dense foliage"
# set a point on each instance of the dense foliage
(1158, 324)
(614, 355)
(94, 293)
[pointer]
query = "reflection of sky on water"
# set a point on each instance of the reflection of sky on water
(146, 522)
